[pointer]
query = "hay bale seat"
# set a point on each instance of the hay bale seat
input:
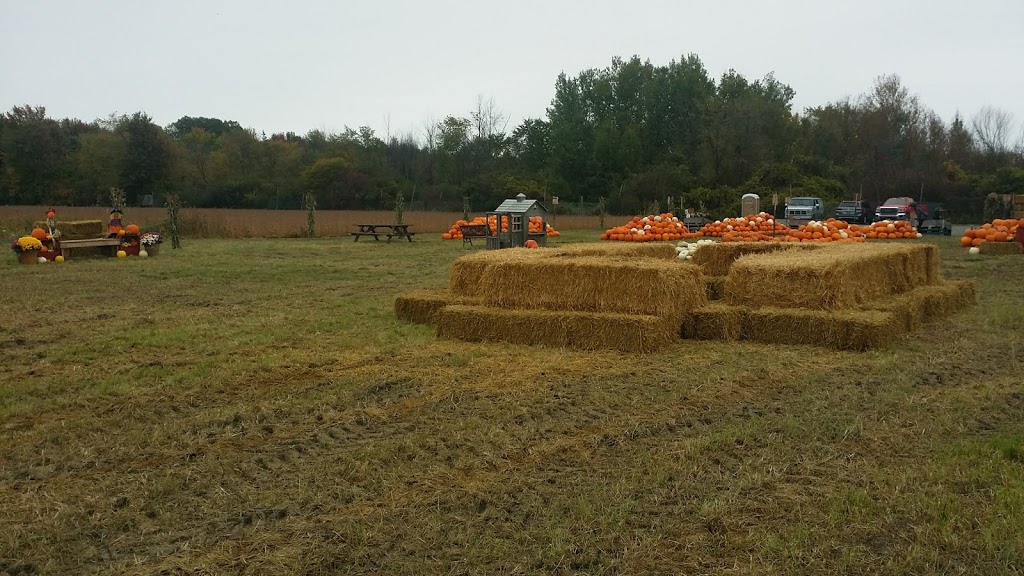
(716, 321)
(422, 306)
(467, 270)
(578, 330)
(1001, 248)
(642, 286)
(876, 325)
(841, 330)
(716, 259)
(77, 229)
(831, 278)
(926, 303)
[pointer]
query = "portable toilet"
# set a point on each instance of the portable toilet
(510, 223)
(750, 204)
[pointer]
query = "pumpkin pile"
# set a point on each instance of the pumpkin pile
(535, 224)
(757, 228)
(830, 230)
(648, 229)
(995, 231)
(892, 230)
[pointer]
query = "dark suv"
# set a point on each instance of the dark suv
(854, 211)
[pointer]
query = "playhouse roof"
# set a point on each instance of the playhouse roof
(518, 205)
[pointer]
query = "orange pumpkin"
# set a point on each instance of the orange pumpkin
(39, 234)
(132, 229)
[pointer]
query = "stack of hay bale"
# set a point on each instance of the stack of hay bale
(851, 297)
(640, 297)
(622, 297)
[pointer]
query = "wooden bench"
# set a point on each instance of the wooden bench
(66, 246)
(470, 231)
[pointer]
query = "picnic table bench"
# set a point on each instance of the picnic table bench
(66, 246)
(389, 230)
(470, 231)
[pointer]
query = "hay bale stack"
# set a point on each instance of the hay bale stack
(77, 229)
(1001, 249)
(716, 259)
(579, 330)
(657, 250)
(715, 287)
(422, 306)
(832, 278)
(842, 330)
(595, 284)
(713, 322)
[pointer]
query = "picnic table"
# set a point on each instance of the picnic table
(378, 230)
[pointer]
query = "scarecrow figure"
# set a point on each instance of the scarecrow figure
(114, 227)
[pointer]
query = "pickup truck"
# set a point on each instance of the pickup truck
(898, 208)
(805, 208)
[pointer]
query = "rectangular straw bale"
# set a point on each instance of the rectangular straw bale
(950, 297)
(713, 322)
(578, 330)
(717, 258)
(927, 303)
(715, 287)
(468, 270)
(842, 330)
(422, 306)
(77, 229)
(1001, 248)
(658, 250)
(908, 308)
(594, 284)
(830, 278)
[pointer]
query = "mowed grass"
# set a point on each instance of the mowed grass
(253, 407)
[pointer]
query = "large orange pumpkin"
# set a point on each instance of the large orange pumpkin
(39, 234)
(132, 229)
(531, 244)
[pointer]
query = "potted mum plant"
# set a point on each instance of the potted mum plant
(27, 248)
(151, 242)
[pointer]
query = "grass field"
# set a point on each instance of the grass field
(238, 223)
(253, 407)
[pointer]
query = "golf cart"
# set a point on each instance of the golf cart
(933, 219)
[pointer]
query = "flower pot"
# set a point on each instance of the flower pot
(152, 249)
(29, 257)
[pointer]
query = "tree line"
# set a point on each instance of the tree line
(631, 137)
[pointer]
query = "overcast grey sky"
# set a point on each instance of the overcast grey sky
(299, 64)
